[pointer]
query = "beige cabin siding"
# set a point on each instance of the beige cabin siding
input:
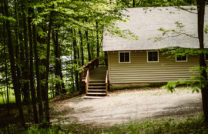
(140, 71)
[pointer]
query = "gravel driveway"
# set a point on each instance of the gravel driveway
(127, 105)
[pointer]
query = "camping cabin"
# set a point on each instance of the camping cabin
(136, 62)
(142, 61)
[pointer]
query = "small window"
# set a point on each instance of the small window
(206, 57)
(153, 57)
(180, 58)
(124, 57)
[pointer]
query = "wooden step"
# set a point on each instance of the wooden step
(96, 94)
(96, 90)
(96, 84)
(93, 97)
(97, 87)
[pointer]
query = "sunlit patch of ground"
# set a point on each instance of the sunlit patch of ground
(126, 106)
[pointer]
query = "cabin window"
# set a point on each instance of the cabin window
(153, 56)
(206, 57)
(181, 58)
(124, 57)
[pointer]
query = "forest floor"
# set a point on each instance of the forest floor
(125, 106)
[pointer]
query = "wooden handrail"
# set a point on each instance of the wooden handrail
(93, 62)
(87, 81)
(87, 65)
(106, 82)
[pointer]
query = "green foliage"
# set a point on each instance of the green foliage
(4, 18)
(158, 3)
(169, 33)
(166, 125)
(178, 51)
(127, 34)
(196, 82)
(206, 29)
(91, 16)
(36, 130)
(3, 95)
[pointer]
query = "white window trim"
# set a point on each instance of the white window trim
(181, 60)
(158, 57)
(124, 52)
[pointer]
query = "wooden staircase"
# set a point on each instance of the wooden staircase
(96, 83)
(94, 79)
(96, 88)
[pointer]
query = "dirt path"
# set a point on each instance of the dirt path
(124, 106)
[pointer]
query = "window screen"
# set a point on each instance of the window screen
(124, 57)
(180, 58)
(152, 56)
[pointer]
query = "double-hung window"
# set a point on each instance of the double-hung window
(153, 56)
(180, 58)
(124, 57)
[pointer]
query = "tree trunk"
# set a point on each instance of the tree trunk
(25, 87)
(60, 88)
(37, 62)
(98, 44)
(42, 74)
(204, 89)
(134, 3)
(46, 105)
(81, 48)
(88, 45)
(75, 59)
(15, 80)
(6, 69)
(32, 87)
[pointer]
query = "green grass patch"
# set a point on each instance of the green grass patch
(167, 126)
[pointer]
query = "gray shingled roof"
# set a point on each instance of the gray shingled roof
(145, 22)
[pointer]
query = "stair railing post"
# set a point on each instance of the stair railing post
(87, 81)
(81, 74)
(106, 82)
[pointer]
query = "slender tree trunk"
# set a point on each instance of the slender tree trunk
(98, 44)
(72, 77)
(46, 105)
(57, 59)
(134, 3)
(37, 62)
(60, 88)
(59, 70)
(6, 70)
(32, 87)
(75, 59)
(5, 61)
(15, 80)
(81, 47)
(17, 44)
(7, 87)
(25, 88)
(88, 45)
(42, 64)
(204, 89)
